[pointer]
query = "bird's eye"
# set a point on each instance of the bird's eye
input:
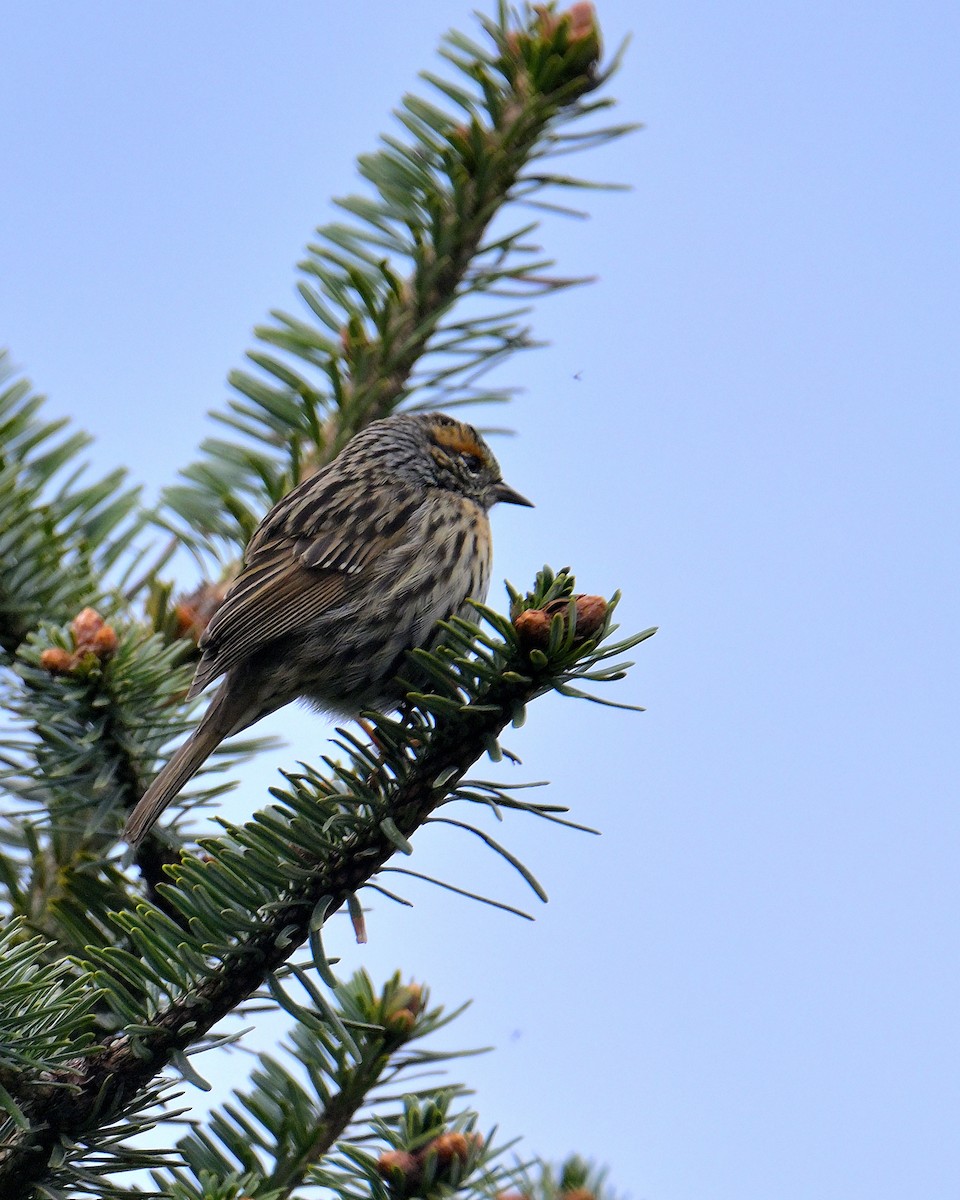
(473, 463)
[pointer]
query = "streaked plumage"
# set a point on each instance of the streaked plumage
(345, 575)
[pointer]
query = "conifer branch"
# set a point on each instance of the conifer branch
(297, 863)
(60, 535)
(103, 990)
(381, 289)
(276, 1131)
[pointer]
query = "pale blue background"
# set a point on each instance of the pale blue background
(748, 987)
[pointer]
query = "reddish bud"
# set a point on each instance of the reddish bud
(401, 1021)
(414, 997)
(515, 43)
(194, 612)
(449, 1146)
(580, 1193)
(184, 617)
(398, 1167)
(591, 614)
(57, 661)
(533, 625)
(105, 642)
(85, 626)
(533, 628)
(583, 20)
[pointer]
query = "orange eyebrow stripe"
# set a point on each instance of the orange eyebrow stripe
(458, 439)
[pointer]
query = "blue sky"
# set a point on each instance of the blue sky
(748, 986)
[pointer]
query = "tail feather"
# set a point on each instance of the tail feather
(218, 722)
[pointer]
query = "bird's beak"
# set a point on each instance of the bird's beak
(504, 494)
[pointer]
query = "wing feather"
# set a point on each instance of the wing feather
(296, 570)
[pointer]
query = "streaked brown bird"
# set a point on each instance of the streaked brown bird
(345, 575)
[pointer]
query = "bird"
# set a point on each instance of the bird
(347, 573)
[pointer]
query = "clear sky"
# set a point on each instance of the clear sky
(748, 986)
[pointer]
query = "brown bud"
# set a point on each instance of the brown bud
(575, 36)
(401, 1021)
(414, 997)
(57, 661)
(398, 1167)
(583, 20)
(85, 626)
(580, 1193)
(195, 611)
(105, 642)
(184, 616)
(591, 614)
(533, 629)
(449, 1146)
(533, 625)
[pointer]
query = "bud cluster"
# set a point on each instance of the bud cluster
(93, 641)
(441, 1160)
(533, 624)
(194, 611)
(559, 50)
(401, 1009)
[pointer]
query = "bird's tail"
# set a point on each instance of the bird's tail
(218, 722)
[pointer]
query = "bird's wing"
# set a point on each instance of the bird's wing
(306, 558)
